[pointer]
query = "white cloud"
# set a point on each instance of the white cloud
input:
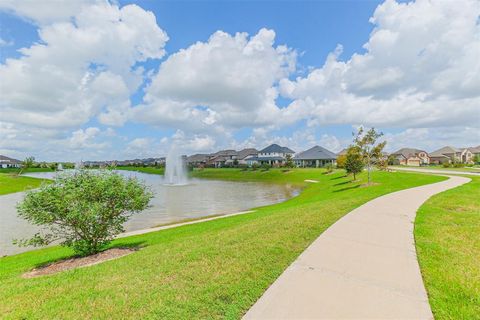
(421, 69)
(41, 12)
(228, 81)
(84, 66)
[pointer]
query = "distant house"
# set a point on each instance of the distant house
(199, 159)
(475, 151)
(452, 154)
(222, 158)
(273, 155)
(245, 154)
(6, 162)
(342, 152)
(410, 157)
(315, 157)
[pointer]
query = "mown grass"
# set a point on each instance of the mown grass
(215, 269)
(10, 183)
(447, 236)
(153, 170)
(17, 170)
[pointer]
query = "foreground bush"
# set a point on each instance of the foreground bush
(84, 210)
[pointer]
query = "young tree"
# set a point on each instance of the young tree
(369, 149)
(341, 161)
(27, 163)
(353, 161)
(289, 161)
(84, 210)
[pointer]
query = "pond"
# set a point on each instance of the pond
(199, 198)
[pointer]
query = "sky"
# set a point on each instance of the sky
(98, 80)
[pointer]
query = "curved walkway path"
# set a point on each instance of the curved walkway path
(362, 267)
(437, 171)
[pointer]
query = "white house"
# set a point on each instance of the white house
(6, 162)
(273, 155)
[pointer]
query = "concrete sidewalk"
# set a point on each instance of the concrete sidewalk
(436, 171)
(362, 267)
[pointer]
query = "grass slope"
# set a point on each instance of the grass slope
(153, 170)
(447, 230)
(10, 183)
(215, 269)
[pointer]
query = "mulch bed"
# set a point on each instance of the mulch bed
(79, 262)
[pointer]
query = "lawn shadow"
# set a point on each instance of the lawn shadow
(339, 177)
(347, 188)
(341, 183)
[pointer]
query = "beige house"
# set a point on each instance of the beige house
(410, 157)
(452, 154)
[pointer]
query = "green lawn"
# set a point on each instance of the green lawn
(154, 170)
(10, 183)
(17, 170)
(215, 269)
(447, 236)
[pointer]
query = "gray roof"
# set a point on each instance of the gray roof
(265, 159)
(316, 153)
(342, 152)
(224, 153)
(199, 157)
(445, 150)
(9, 160)
(242, 154)
(407, 152)
(277, 149)
(475, 149)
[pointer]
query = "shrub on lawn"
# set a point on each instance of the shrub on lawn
(84, 210)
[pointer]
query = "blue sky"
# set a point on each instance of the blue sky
(343, 64)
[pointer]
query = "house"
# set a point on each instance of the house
(342, 152)
(199, 159)
(222, 158)
(410, 157)
(315, 157)
(475, 152)
(245, 154)
(6, 162)
(452, 154)
(273, 155)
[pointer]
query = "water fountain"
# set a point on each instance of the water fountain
(79, 165)
(175, 170)
(60, 167)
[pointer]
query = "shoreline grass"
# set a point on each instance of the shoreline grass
(214, 269)
(11, 183)
(447, 230)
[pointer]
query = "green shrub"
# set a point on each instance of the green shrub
(83, 210)
(266, 167)
(446, 165)
(329, 168)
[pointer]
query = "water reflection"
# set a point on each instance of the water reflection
(170, 203)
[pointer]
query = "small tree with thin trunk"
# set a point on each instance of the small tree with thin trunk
(83, 210)
(27, 163)
(368, 148)
(289, 161)
(353, 161)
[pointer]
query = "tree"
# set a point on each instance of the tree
(369, 150)
(84, 210)
(27, 163)
(289, 161)
(329, 168)
(353, 161)
(341, 161)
